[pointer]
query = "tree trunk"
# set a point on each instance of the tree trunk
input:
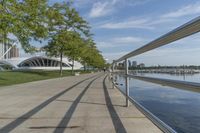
(84, 66)
(72, 66)
(4, 44)
(61, 56)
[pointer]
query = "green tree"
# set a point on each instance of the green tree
(75, 47)
(91, 56)
(66, 31)
(67, 43)
(23, 21)
(66, 27)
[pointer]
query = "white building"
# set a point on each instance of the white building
(39, 62)
(9, 56)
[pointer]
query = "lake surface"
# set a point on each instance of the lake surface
(178, 108)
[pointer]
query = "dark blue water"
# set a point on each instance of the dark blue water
(178, 108)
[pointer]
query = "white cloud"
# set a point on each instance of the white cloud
(121, 41)
(115, 55)
(127, 40)
(109, 44)
(134, 2)
(184, 11)
(151, 23)
(159, 20)
(137, 23)
(134, 23)
(102, 8)
(105, 45)
(106, 7)
(81, 3)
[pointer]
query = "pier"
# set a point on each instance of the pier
(77, 104)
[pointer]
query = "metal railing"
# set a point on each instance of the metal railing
(160, 124)
(183, 31)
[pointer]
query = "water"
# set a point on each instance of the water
(188, 77)
(178, 108)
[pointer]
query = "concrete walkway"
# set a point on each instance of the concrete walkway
(81, 104)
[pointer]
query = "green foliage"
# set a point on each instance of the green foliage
(91, 56)
(68, 34)
(25, 20)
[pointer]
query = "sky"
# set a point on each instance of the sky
(121, 26)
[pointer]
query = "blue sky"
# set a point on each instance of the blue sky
(121, 26)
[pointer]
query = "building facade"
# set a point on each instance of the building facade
(141, 65)
(134, 63)
(40, 63)
(129, 63)
(8, 51)
(9, 56)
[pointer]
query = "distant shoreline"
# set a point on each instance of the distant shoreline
(177, 71)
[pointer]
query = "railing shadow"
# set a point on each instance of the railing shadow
(119, 127)
(12, 125)
(65, 121)
(94, 103)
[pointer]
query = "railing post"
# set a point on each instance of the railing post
(127, 82)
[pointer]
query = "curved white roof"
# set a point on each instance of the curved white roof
(38, 62)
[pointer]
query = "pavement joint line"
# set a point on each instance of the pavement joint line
(95, 103)
(64, 122)
(12, 125)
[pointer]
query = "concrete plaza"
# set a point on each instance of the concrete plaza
(77, 104)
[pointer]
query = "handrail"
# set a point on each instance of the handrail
(185, 30)
(183, 85)
(159, 123)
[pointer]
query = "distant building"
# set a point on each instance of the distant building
(141, 65)
(8, 51)
(9, 56)
(120, 65)
(129, 63)
(134, 63)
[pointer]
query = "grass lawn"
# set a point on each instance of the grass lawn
(17, 77)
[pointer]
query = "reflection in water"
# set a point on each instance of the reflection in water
(182, 77)
(178, 108)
